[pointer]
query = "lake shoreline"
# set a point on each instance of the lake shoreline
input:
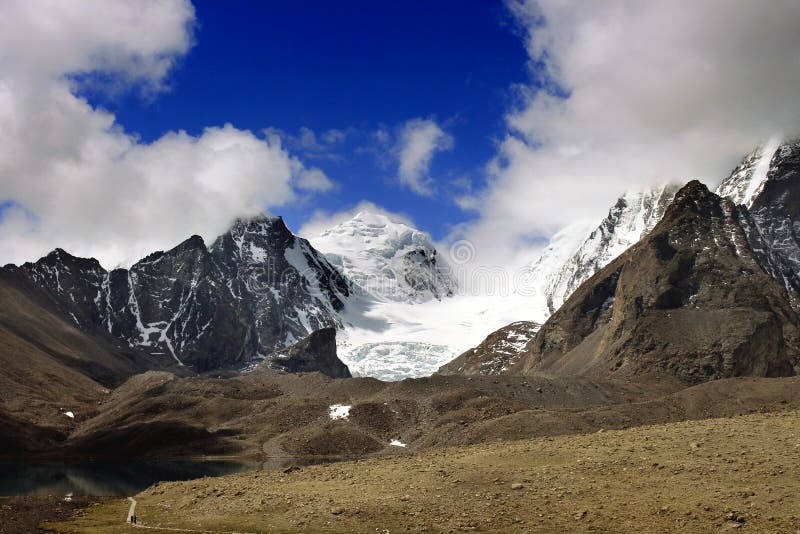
(26, 513)
(125, 477)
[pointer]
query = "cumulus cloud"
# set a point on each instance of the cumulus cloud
(322, 220)
(627, 94)
(418, 141)
(136, 40)
(70, 176)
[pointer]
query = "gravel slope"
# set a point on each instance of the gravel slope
(699, 476)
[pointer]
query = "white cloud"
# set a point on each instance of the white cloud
(139, 40)
(311, 179)
(467, 202)
(655, 91)
(322, 220)
(418, 141)
(77, 179)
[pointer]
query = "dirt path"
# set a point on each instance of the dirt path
(131, 510)
(698, 476)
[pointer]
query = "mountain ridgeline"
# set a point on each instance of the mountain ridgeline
(562, 267)
(710, 292)
(258, 289)
(675, 287)
(255, 290)
(632, 217)
(689, 301)
(773, 225)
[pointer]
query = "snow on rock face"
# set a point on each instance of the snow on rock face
(387, 260)
(256, 290)
(497, 353)
(772, 211)
(363, 247)
(73, 282)
(748, 178)
(630, 219)
(278, 278)
(542, 272)
(568, 261)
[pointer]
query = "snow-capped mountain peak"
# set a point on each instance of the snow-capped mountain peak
(630, 219)
(387, 259)
(257, 289)
(767, 187)
(748, 178)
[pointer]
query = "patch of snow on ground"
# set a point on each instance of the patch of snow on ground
(339, 411)
(70, 415)
(397, 443)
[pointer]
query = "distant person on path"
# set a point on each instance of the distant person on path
(133, 520)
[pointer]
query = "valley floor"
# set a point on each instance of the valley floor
(24, 514)
(709, 475)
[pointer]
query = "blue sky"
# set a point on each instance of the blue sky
(353, 66)
(361, 94)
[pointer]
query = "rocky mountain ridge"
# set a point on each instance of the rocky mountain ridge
(689, 301)
(258, 288)
(255, 290)
(631, 218)
(568, 261)
(764, 188)
(772, 224)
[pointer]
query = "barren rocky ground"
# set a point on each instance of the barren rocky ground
(158, 415)
(24, 514)
(710, 475)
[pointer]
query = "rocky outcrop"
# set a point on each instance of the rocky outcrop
(315, 353)
(689, 301)
(499, 352)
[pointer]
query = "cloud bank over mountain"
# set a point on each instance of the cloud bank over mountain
(620, 95)
(627, 94)
(71, 176)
